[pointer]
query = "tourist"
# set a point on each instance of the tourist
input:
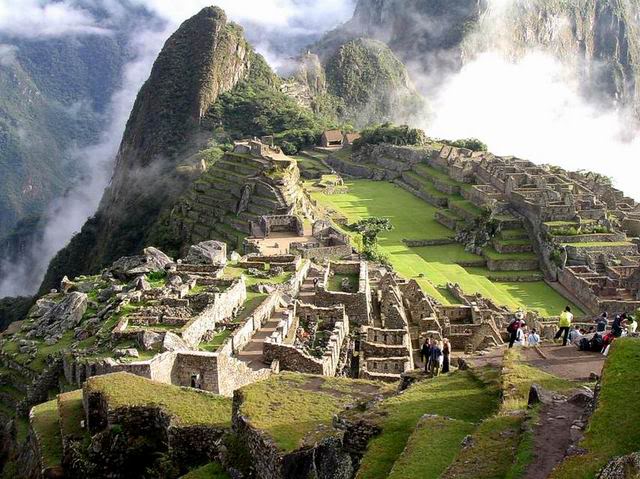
(520, 337)
(574, 334)
(602, 322)
(514, 326)
(632, 326)
(618, 325)
(446, 353)
(534, 338)
(564, 324)
(425, 354)
(436, 357)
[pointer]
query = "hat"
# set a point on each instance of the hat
(519, 315)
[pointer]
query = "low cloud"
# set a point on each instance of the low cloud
(37, 19)
(533, 108)
(7, 54)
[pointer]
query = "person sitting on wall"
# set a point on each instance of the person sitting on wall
(632, 326)
(534, 338)
(574, 334)
(566, 318)
(602, 322)
(619, 323)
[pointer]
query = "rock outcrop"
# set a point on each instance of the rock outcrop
(204, 58)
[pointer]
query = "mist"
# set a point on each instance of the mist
(277, 28)
(524, 101)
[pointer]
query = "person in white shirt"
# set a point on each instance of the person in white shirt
(632, 325)
(534, 338)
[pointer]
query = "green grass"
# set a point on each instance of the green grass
(491, 253)
(433, 173)
(414, 219)
(431, 448)
(492, 452)
(459, 396)
(335, 281)
(518, 378)
(297, 410)
(71, 413)
(188, 406)
(210, 471)
(613, 429)
(213, 345)
(599, 244)
(250, 305)
(45, 423)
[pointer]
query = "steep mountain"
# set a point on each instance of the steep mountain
(206, 57)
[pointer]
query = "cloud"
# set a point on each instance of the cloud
(532, 108)
(7, 54)
(38, 19)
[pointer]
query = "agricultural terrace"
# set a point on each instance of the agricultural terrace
(414, 219)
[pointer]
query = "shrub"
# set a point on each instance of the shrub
(387, 133)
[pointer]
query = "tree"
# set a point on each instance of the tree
(370, 228)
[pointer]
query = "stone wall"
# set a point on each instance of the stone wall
(224, 306)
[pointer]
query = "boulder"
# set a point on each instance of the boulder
(207, 252)
(108, 293)
(173, 342)
(128, 352)
(140, 284)
(149, 340)
(42, 306)
(63, 316)
(581, 398)
(66, 285)
(152, 260)
(538, 395)
(623, 467)
(235, 256)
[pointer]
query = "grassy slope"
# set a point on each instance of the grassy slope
(459, 396)
(414, 219)
(296, 409)
(613, 429)
(210, 471)
(189, 406)
(46, 425)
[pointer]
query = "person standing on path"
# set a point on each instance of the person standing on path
(514, 326)
(566, 318)
(425, 354)
(436, 358)
(446, 352)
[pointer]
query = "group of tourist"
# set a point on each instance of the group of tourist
(435, 355)
(519, 334)
(595, 338)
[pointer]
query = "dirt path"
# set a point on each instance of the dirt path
(552, 437)
(565, 361)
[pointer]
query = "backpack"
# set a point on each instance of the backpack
(513, 326)
(597, 342)
(583, 345)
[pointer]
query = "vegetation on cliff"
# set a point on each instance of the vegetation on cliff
(388, 133)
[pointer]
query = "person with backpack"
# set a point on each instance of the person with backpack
(566, 318)
(602, 322)
(618, 325)
(516, 323)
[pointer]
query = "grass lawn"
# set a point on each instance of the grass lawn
(213, 345)
(210, 471)
(297, 409)
(413, 218)
(71, 413)
(190, 407)
(46, 425)
(335, 281)
(250, 305)
(613, 429)
(460, 396)
(425, 457)
(491, 456)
